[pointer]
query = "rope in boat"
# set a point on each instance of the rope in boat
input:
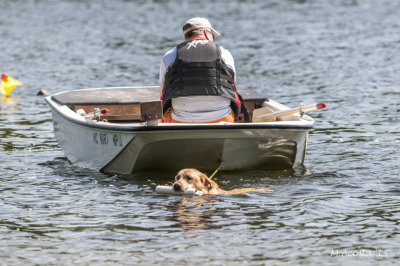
(220, 166)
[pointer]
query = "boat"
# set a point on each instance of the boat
(118, 130)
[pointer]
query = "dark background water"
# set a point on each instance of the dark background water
(341, 208)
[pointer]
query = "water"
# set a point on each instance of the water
(340, 208)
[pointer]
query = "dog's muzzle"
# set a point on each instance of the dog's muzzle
(177, 187)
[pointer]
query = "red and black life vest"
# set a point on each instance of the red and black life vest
(199, 70)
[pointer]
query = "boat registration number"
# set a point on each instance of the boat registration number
(102, 138)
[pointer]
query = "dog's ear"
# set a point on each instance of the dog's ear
(206, 182)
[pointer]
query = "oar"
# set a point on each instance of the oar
(42, 93)
(258, 115)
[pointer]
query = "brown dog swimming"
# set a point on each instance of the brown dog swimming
(193, 178)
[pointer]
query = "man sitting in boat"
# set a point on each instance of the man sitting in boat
(197, 78)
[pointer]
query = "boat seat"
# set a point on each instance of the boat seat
(123, 103)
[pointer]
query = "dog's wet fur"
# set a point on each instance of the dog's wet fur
(193, 178)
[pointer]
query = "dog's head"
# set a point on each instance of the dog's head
(192, 178)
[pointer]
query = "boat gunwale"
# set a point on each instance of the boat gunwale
(177, 127)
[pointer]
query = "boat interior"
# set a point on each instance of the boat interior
(142, 104)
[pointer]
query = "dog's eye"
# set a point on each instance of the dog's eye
(188, 178)
(177, 177)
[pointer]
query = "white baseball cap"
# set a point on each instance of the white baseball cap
(199, 23)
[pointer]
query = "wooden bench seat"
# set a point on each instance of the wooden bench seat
(123, 103)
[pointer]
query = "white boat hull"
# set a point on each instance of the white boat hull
(128, 148)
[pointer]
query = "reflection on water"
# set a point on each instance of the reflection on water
(195, 213)
(9, 100)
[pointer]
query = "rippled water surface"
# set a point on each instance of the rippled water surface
(342, 207)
